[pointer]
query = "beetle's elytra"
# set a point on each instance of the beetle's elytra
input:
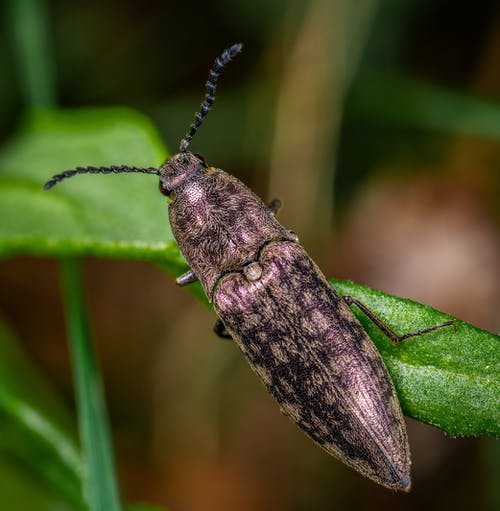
(296, 332)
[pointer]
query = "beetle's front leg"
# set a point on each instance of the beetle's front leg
(186, 278)
(393, 336)
(274, 206)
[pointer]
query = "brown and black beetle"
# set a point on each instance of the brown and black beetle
(296, 332)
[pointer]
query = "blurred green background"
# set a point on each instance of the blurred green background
(375, 122)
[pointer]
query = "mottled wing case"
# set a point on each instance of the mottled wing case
(315, 358)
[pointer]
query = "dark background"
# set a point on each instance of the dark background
(377, 194)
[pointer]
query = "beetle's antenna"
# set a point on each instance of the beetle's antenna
(226, 56)
(115, 169)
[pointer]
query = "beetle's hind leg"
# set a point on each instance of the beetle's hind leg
(186, 278)
(221, 331)
(393, 336)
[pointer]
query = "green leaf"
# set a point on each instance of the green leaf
(37, 433)
(104, 215)
(100, 485)
(445, 378)
(19, 490)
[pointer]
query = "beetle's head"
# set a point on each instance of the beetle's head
(178, 170)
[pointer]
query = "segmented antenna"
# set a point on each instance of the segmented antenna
(115, 169)
(226, 56)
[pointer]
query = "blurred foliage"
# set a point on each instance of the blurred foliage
(405, 98)
(37, 434)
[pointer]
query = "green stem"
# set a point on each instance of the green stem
(100, 486)
(27, 22)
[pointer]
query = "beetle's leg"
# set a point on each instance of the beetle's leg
(393, 336)
(274, 206)
(221, 331)
(186, 278)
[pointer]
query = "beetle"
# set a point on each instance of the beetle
(297, 333)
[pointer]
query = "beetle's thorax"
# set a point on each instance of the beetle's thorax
(221, 225)
(178, 170)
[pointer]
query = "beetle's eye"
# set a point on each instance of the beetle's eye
(200, 157)
(163, 188)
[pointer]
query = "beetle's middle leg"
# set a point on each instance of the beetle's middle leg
(221, 331)
(393, 336)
